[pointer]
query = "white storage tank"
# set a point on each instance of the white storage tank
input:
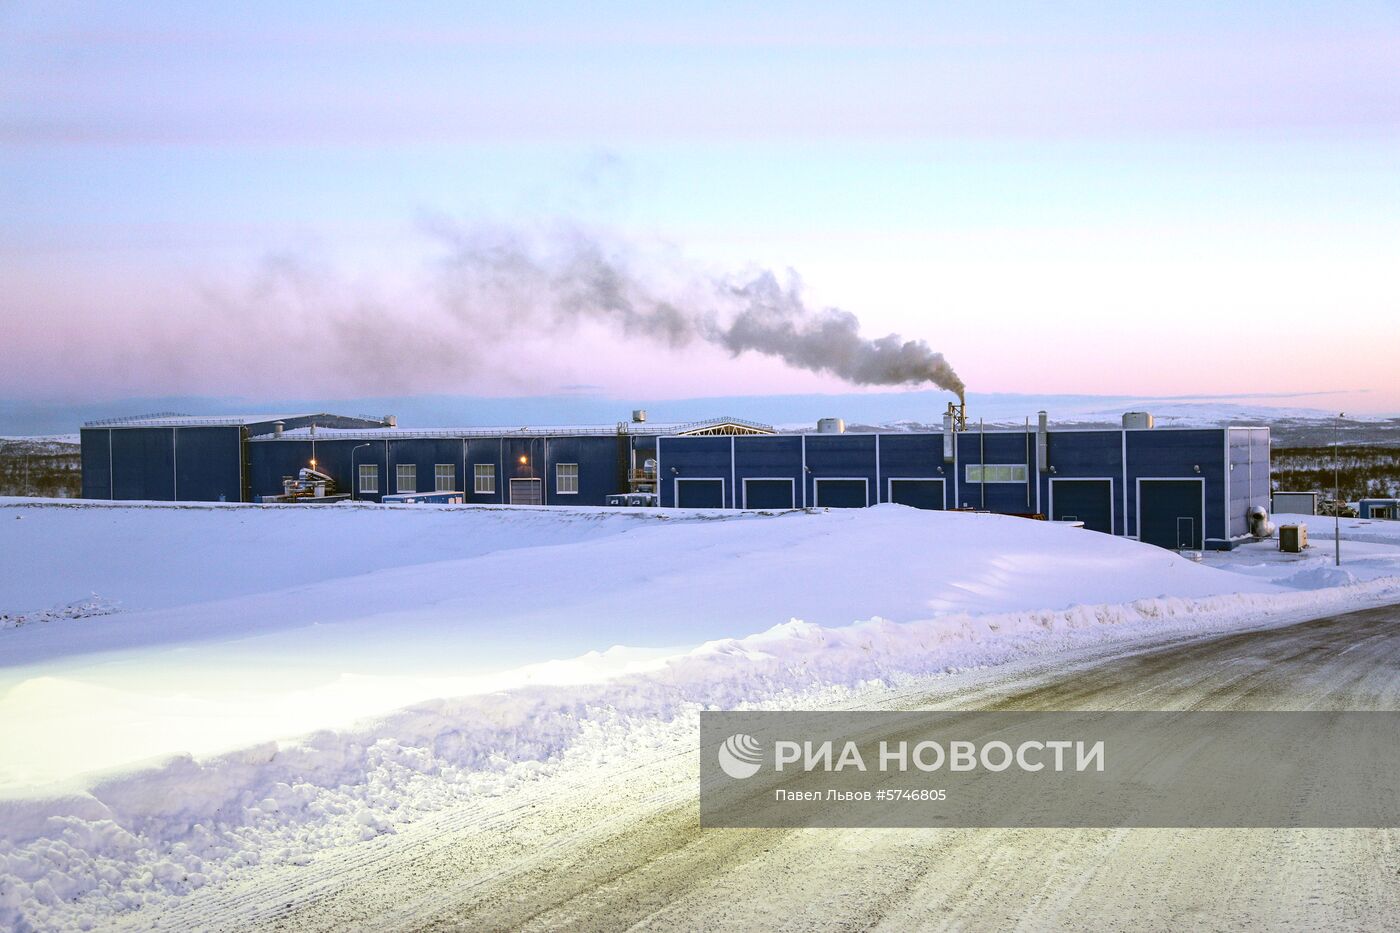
(1137, 420)
(831, 426)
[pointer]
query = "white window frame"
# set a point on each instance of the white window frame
(817, 487)
(484, 479)
(369, 478)
(982, 469)
(561, 488)
(399, 469)
(792, 487)
(451, 471)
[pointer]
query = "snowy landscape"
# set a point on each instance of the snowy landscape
(197, 699)
(454, 459)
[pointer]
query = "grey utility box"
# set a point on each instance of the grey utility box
(1292, 538)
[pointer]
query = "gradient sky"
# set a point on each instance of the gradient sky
(1062, 198)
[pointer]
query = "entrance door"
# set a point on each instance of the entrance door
(1185, 532)
(526, 492)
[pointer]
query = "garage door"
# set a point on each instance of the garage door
(768, 493)
(700, 493)
(841, 493)
(1084, 500)
(1169, 513)
(920, 493)
(526, 492)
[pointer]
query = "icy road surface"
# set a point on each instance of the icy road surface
(622, 847)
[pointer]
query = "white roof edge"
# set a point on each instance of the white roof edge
(625, 428)
(176, 420)
(173, 419)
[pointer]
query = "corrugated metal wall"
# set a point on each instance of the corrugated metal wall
(596, 457)
(192, 464)
(1250, 477)
(207, 463)
(1175, 454)
(876, 459)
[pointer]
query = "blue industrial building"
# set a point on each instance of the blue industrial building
(1180, 488)
(1176, 487)
(170, 457)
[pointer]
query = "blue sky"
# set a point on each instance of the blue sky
(1066, 198)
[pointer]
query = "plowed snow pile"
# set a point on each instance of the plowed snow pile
(262, 684)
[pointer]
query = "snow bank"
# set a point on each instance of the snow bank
(140, 838)
(241, 624)
(1370, 551)
(309, 679)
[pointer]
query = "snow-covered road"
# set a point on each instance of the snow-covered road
(621, 846)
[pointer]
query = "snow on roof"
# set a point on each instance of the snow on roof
(171, 419)
(623, 427)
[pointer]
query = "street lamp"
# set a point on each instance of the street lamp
(1336, 489)
(354, 480)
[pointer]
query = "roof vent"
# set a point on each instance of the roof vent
(639, 415)
(831, 426)
(277, 427)
(1137, 421)
(391, 421)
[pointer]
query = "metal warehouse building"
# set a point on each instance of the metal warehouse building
(579, 465)
(170, 457)
(1176, 487)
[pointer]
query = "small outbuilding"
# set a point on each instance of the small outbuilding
(1378, 508)
(1295, 503)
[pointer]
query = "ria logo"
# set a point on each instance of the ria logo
(740, 756)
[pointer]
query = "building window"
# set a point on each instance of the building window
(996, 473)
(566, 478)
(444, 477)
(406, 477)
(369, 477)
(484, 475)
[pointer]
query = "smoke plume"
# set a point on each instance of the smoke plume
(489, 277)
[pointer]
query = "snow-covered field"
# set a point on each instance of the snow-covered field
(188, 692)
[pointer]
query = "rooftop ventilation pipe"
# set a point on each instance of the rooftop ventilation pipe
(1042, 441)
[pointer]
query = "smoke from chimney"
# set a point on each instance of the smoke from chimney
(575, 276)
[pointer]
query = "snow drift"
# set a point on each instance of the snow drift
(764, 609)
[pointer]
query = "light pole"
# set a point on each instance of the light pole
(354, 480)
(1336, 489)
